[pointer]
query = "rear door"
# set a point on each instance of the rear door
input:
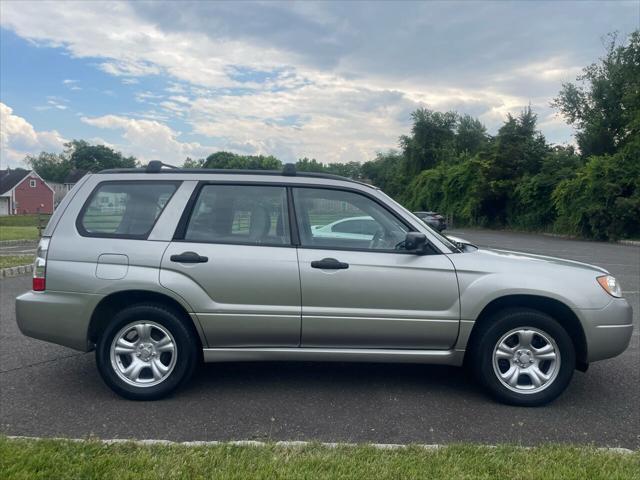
(361, 289)
(233, 261)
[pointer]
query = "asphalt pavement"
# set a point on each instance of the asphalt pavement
(47, 390)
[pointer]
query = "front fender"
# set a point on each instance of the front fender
(578, 291)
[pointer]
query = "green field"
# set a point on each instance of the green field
(22, 220)
(60, 459)
(15, 260)
(18, 233)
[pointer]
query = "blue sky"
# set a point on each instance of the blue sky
(335, 80)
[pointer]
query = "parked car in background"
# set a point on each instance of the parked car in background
(157, 269)
(363, 228)
(433, 219)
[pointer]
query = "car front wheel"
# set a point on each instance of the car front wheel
(524, 357)
(146, 352)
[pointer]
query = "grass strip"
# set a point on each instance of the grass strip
(22, 220)
(18, 233)
(15, 260)
(61, 459)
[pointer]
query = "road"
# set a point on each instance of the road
(46, 390)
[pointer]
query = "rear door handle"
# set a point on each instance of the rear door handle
(189, 257)
(329, 264)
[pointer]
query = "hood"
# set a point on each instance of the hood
(539, 259)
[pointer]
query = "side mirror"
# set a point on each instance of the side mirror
(415, 242)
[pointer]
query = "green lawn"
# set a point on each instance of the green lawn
(21, 220)
(18, 233)
(15, 260)
(46, 459)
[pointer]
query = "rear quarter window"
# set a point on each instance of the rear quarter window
(124, 209)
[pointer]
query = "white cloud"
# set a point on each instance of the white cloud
(334, 80)
(130, 46)
(18, 138)
(149, 139)
(71, 84)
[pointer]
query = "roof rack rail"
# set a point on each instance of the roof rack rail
(154, 166)
(288, 170)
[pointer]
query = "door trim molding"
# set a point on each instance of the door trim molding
(437, 357)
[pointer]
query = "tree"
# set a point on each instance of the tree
(602, 200)
(78, 155)
(518, 148)
(309, 165)
(191, 163)
(604, 104)
(51, 167)
(228, 160)
(432, 139)
(94, 158)
(471, 135)
(387, 172)
(532, 207)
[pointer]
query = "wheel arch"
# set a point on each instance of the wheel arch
(552, 307)
(114, 302)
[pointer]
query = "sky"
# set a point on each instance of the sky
(335, 81)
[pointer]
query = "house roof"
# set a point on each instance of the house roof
(74, 176)
(9, 178)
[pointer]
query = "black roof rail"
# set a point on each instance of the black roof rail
(155, 166)
(289, 170)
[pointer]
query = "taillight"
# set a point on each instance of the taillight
(40, 265)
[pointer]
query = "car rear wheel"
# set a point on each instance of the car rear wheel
(524, 357)
(146, 352)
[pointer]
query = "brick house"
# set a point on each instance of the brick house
(23, 191)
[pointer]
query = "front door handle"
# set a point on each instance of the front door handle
(329, 264)
(189, 257)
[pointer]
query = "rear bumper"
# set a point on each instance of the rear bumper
(608, 330)
(57, 317)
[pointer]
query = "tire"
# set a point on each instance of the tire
(528, 346)
(156, 352)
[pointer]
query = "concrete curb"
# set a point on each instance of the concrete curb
(17, 243)
(16, 271)
(635, 243)
(286, 444)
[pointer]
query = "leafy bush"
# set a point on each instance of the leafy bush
(603, 200)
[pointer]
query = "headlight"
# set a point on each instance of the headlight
(611, 285)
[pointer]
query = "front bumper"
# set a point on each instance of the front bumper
(608, 330)
(57, 317)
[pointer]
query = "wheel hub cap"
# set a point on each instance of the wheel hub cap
(526, 360)
(143, 353)
(146, 351)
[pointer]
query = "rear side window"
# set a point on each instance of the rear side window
(240, 214)
(124, 209)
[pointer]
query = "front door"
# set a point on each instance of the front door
(360, 289)
(234, 264)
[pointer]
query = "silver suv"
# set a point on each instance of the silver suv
(157, 269)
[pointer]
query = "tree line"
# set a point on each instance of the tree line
(514, 179)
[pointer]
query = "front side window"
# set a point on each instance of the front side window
(340, 219)
(242, 214)
(32, 183)
(125, 209)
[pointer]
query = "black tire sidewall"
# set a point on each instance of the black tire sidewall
(186, 346)
(509, 320)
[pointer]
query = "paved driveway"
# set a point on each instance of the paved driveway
(47, 390)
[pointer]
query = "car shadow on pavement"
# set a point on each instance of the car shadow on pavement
(336, 376)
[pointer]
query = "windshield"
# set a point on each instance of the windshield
(444, 240)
